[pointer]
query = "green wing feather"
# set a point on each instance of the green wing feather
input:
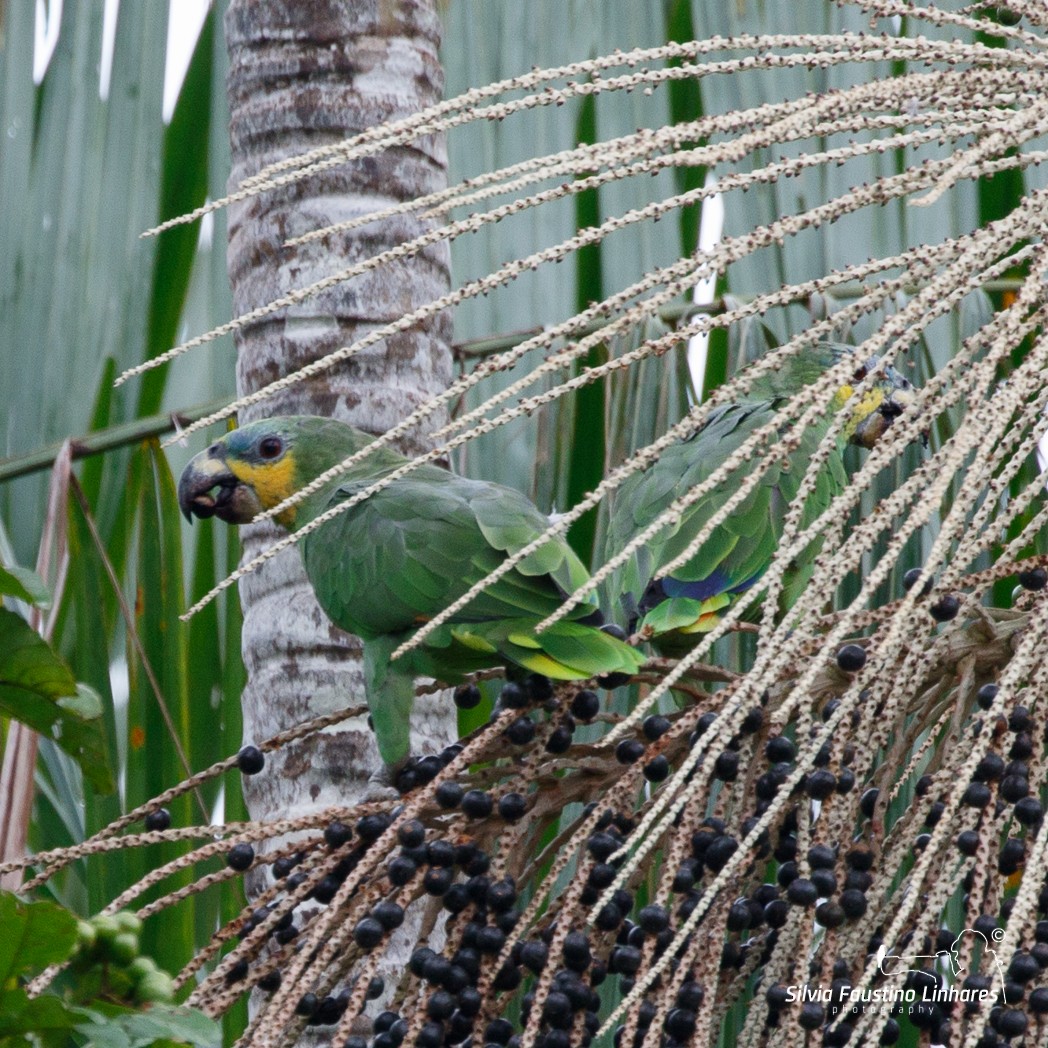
(739, 551)
(387, 565)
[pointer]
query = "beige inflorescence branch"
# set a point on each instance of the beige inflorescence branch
(895, 791)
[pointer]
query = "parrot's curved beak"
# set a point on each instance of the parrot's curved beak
(209, 488)
(896, 396)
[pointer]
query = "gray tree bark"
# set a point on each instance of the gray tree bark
(302, 75)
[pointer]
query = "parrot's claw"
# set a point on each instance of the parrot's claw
(380, 787)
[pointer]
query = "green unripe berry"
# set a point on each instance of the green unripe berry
(140, 967)
(123, 948)
(129, 922)
(156, 987)
(106, 928)
(87, 936)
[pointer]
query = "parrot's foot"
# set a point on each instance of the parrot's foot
(380, 787)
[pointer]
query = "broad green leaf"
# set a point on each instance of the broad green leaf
(32, 936)
(44, 1020)
(38, 690)
(110, 1026)
(23, 584)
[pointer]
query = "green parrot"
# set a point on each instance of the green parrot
(386, 566)
(673, 610)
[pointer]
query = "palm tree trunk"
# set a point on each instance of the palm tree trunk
(303, 75)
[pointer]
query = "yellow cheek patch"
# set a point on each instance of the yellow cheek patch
(272, 482)
(868, 403)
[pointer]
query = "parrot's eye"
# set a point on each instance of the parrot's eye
(270, 447)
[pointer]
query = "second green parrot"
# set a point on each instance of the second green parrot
(672, 608)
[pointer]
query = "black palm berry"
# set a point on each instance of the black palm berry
(490, 939)
(270, 981)
(307, 1004)
(251, 760)
(624, 960)
(1019, 719)
(1022, 747)
(429, 767)
(780, 749)
(586, 705)
(655, 726)
(449, 795)
(653, 919)
(810, 1017)
(719, 852)
(1028, 811)
(890, 1033)
(533, 955)
(824, 880)
(477, 804)
(455, 899)
(336, 834)
(680, 1024)
(158, 819)
(1011, 856)
(467, 696)
(820, 784)
(912, 577)
(1034, 579)
(411, 834)
(852, 903)
(739, 916)
(521, 731)
(985, 695)
(977, 795)
(1023, 968)
(501, 895)
(371, 827)
(576, 951)
(401, 870)
(608, 917)
(821, 856)
(945, 608)
(559, 740)
(657, 769)
(1038, 1000)
(936, 810)
(512, 806)
(440, 1006)
(830, 914)
(726, 766)
(868, 801)
(437, 880)
(369, 932)
(989, 768)
(539, 687)
(629, 751)
(557, 1010)
(603, 845)
(802, 892)
(513, 696)
(498, 1031)
(440, 853)
(389, 914)
(851, 658)
(240, 857)
(1011, 1022)
(1014, 788)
